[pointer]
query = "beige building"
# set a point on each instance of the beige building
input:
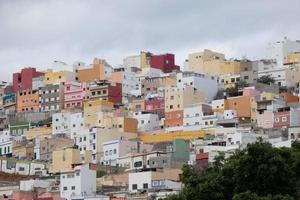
(63, 160)
(99, 70)
(108, 120)
(91, 109)
(212, 63)
(226, 81)
(179, 98)
(38, 132)
(48, 145)
(152, 85)
(52, 77)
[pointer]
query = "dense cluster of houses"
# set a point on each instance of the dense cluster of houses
(124, 132)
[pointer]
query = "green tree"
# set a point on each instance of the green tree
(242, 84)
(266, 79)
(259, 172)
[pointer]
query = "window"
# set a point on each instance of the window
(134, 186)
(145, 185)
(115, 151)
(73, 188)
(65, 188)
(284, 119)
(138, 164)
(171, 106)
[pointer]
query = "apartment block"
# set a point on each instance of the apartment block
(51, 98)
(28, 100)
(74, 94)
(104, 90)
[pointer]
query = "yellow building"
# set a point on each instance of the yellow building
(267, 96)
(179, 98)
(52, 77)
(108, 120)
(212, 63)
(62, 160)
(168, 137)
(91, 109)
(226, 81)
(294, 57)
(145, 59)
(38, 132)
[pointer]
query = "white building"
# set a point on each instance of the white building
(112, 150)
(79, 182)
(130, 81)
(67, 123)
(86, 140)
(230, 114)
(218, 105)
(5, 143)
(198, 117)
(132, 61)
(147, 122)
(281, 49)
(148, 180)
(38, 82)
(138, 161)
(202, 82)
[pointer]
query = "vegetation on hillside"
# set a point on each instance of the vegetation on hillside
(260, 172)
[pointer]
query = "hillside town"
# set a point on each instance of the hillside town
(98, 131)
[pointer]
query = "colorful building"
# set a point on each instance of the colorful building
(212, 63)
(58, 77)
(91, 109)
(99, 70)
(23, 80)
(74, 94)
(104, 90)
(155, 105)
(164, 62)
(28, 100)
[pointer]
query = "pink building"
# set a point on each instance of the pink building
(74, 94)
(265, 120)
(250, 91)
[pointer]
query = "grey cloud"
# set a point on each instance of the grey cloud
(34, 33)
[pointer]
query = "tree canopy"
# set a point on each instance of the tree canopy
(266, 79)
(260, 172)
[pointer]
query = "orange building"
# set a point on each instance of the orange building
(99, 70)
(242, 104)
(28, 100)
(289, 98)
(174, 118)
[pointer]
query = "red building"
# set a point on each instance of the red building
(23, 80)
(105, 90)
(115, 93)
(164, 62)
(202, 160)
(155, 105)
(282, 119)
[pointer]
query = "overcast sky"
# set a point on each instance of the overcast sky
(35, 33)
